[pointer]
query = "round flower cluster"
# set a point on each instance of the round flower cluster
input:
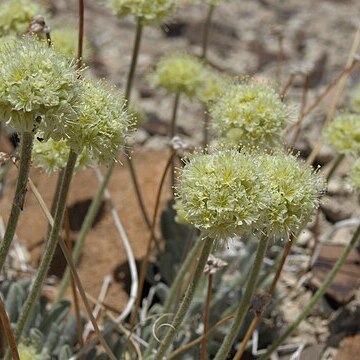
(148, 11)
(221, 193)
(65, 41)
(52, 156)
(179, 73)
(103, 123)
(249, 114)
(16, 15)
(212, 85)
(231, 192)
(294, 189)
(343, 134)
(38, 88)
(355, 175)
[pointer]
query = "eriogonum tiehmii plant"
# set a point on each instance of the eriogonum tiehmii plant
(16, 15)
(147, 11)
(179, 73)
(248, 115)
(103, 123)
(343, 134)
(222, 194)
(38, 89)
(294, 188)
(51, 156)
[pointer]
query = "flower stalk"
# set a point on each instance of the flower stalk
(19, 197)
(49, 248)
(245, 300)
(189, 294)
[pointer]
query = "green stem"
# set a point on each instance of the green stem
(245, 301)
(320, 292)
(184, 306)
(206, 31)
(49, 248)
(85, 227)
(19, 197)
(336, 164)
(174, 290)
(172, 134)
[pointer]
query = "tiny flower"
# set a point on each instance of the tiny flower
(355, 175)
(179, 73)
(222, 193)
(65, 41)
(16, 15)
(52, 156)
(294, 189)
(103, 124)
(249, 114)
(148, 11)
(343, 134)
(38, 88)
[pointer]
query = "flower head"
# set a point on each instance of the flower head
(212, 85)
(148, 11)
(222, 193)
(52, 156)
(343, 134)
(179, 73)
(65, 41)
(38, 88)
(249, 114)
(103, 124)
(15, 16)
(355, 175)
(295, 190)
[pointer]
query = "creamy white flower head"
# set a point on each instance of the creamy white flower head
(38, 88)
(103, 124)
(249, 115)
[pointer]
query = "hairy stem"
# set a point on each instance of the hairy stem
(245, 300)
(320, 292)
(49, 248)
(334, 167)
(170, 299)
(172, 133)
(19, 197)
(189, 294)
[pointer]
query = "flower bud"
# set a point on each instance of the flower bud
(248, 115)
(343, 134)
